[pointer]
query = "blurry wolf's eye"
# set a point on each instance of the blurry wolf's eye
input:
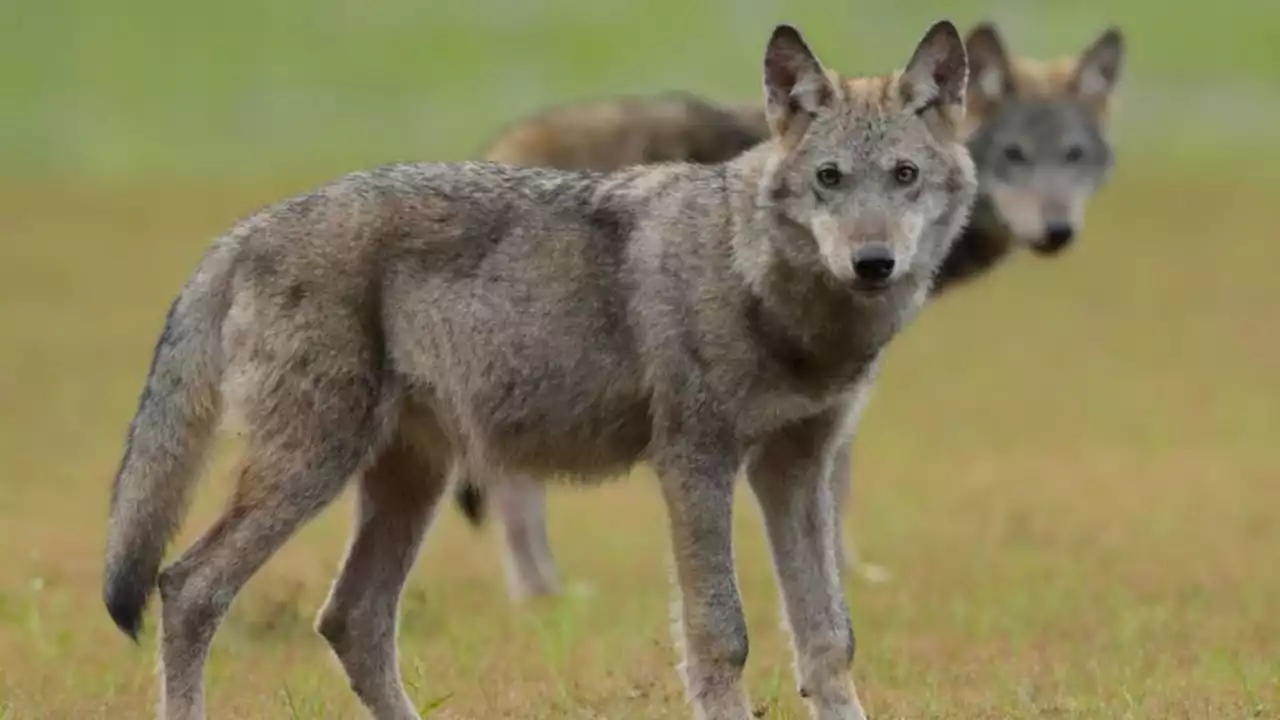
(829, 175)
(1075, 153)
(905, 173)
(1014, 154)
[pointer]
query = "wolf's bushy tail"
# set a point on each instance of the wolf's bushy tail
(167, 440)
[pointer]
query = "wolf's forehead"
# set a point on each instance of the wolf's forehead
(872, 96)
(881, 130)
(1037, 78)
(873, 109)
(1049, 120)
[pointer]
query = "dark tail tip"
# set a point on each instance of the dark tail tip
(471, 501)
(125, 596)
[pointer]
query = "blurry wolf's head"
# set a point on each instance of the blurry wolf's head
(1039, 136)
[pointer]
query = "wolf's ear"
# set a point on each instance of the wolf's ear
(990, 75)
(795, 83)
(1098, 70)
(937, 74)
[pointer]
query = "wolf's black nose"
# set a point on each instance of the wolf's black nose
(1058, 235)
(873, 264)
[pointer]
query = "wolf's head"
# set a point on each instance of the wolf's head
(1039, 137)
(868, 179)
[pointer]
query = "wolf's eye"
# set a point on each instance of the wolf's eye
(905, 173)
(1014, 154)
(1074, 154)
(829, 175)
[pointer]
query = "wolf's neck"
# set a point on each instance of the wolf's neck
(983, 244)
(826, 338)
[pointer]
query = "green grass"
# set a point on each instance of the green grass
(1070, 468)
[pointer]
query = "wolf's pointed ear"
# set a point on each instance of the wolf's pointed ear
(937, 74)
(990, 75)
(1098, 70)
(795, 83)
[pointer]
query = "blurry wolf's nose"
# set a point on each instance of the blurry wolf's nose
(1058, 235)
(873, 264)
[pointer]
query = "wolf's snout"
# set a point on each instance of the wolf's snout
(1057, 236)
(873, 264)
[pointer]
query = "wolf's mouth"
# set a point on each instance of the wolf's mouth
(871, 287)
(1048, 248)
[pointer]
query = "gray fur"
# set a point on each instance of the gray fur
(1017, 205)
(405, 322)
(610, 133)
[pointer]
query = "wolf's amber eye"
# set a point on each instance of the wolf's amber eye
(1075, 153)
(905, 173)
(829, 175)
(1014, 154)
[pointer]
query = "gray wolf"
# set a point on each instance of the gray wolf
(400, 322)
(1041, 146)
(1037, 131)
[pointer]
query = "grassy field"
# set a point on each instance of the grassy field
(1071, 469)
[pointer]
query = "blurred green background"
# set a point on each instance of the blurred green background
(1070, 468)
(143, 87)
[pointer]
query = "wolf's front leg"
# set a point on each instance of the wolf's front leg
(789, 475)
(709, 625)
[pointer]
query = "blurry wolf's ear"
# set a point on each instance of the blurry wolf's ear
(990, 75)
(1098, 71)
(795, 83)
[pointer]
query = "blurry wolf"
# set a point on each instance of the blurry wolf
(1038, 134)
(398, 322)
(1040, 140)
(608, 134)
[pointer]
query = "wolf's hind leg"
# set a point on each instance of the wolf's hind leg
(287, 477)
(397, 499)
(521, 502)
